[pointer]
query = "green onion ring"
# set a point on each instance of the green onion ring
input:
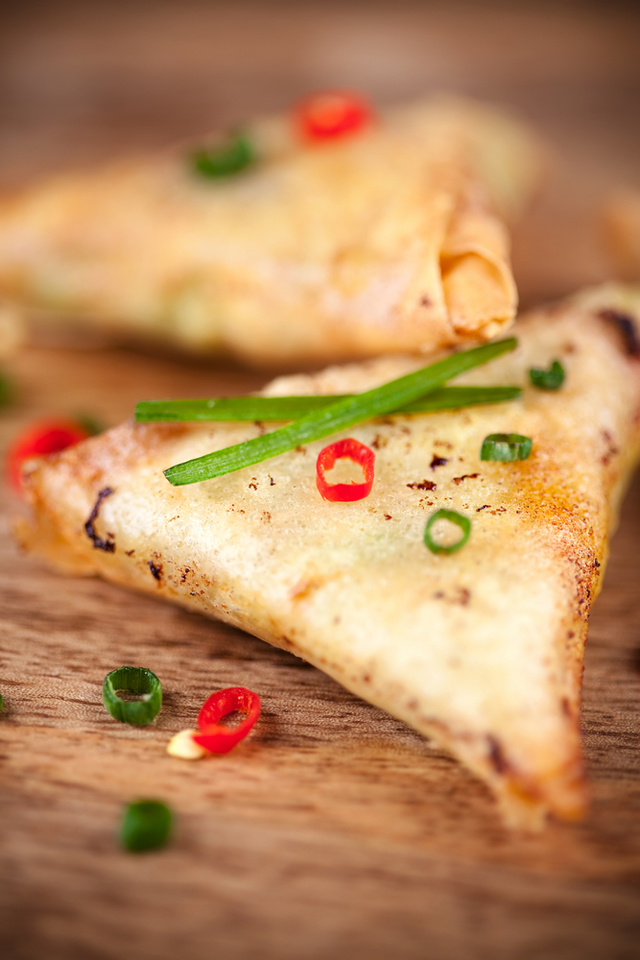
(506, 447)
(551, 379)
(460, 521)
(146, 825)
(135, 680)
(230, 158)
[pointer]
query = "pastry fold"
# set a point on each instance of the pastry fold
(390, 240)
(480, 649)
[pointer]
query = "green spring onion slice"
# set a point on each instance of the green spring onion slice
(93, 425)
(506, 447)
(551, 379)
(337, 416)
(292, 408)
(7, 391)
(146, 825)
(1, 702)
(460, 521)
(137, 680)
(232, 157)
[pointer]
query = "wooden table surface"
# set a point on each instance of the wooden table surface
(335, 831)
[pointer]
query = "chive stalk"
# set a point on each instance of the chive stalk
(240, 409)
(338, 415)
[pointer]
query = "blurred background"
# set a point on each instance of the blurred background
(84, 82)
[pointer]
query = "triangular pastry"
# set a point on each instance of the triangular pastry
(479, 649)
(389, 239)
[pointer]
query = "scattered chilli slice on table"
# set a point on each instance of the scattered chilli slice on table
(479, 647)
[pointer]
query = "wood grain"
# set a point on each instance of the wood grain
(334, 831)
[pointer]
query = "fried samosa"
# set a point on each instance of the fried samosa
(389, 239)
(480, 649)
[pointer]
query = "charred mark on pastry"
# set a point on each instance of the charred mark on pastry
(596, 564)
(254, 484)
(424, 485)
(465, 476)
(272, 482)
(388, 516)
(107, 544)
(438, 462)
(485, 506)
(612, 450)
(497, 758)
(459, 597)
(129, 553)
(156, 570)
(183, 576)
(626, 326)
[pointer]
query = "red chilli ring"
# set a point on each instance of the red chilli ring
(331, 114)
(217, 738)
(345, 449)
(46, 436)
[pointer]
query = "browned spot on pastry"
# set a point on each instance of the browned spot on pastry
(626, 327)
(465, 476)
(612, 449)
(483, 507)
(423, 485)
(388, 516)
(129, 553)
(459, 597)
(497, 758)
(156, 570)
(438, 462)
(425, 301)
(106, 544)
(378, 442)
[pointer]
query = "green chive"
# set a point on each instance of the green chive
(337, 416)
(551, 379)
(506, 447)
(137, 680)
(91, 424)
(460, 521)
(241, 409)
(232, 157)
(7, 391)
(146, 825)
(1, 702)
